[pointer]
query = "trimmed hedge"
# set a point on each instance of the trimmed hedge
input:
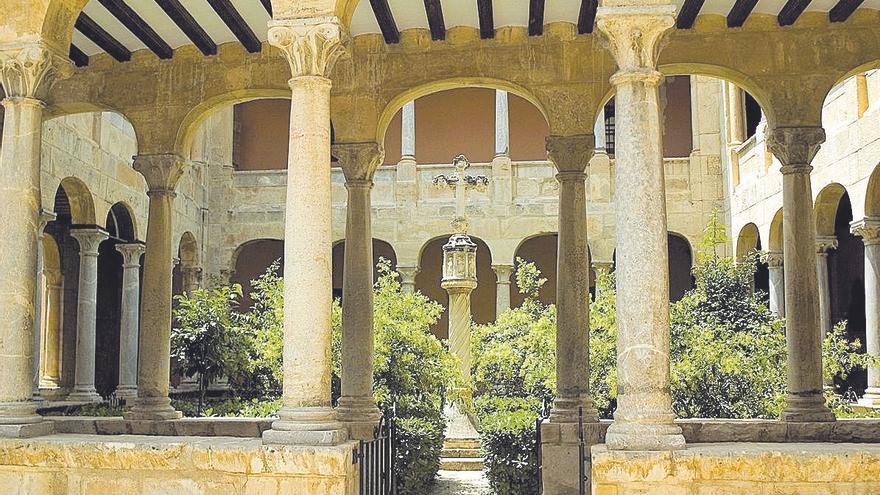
(509, 450)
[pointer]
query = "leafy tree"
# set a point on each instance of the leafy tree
(265, 326)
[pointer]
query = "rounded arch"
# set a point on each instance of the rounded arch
(681, 261)
(79, 200)
(188, 250)
(541, 250)
(872, 194)
(397, 102)
(121, 222)
(775, 238)
(381, 249)
(825, 208)
(748, 240)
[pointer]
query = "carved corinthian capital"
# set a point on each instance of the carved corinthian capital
(634, 35)
(795, 147)
(358, 160)
(311, 46)
(29, 70)
(571, 153)
(162, 172)
(868, 229)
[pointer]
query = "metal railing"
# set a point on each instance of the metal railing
(582, 455)
(542, 416)
(375, 459)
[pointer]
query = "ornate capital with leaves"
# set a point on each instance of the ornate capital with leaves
(571, 154)
(774, 259)
(162, 171)
(29, 70)
(795, 147)
(825, 243)
(634, 35)
(311, 46)
(358, 160)
(868, 229)
(131, 254)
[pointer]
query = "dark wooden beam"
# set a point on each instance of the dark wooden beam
(236, 24)
(386, 20)
(267, 4)
(843, 10)
(791, 11)
(587, 16)
(435, 19)
(188, 25)
(536, 17)
(138, 27)
(740, 12)
(91, 30)
(79, 58)
(688, 14)
(487, 19)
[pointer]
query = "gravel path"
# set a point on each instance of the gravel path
(461, 483)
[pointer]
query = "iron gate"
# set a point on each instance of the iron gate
(582, 455)
(375, 459)
(542, 416)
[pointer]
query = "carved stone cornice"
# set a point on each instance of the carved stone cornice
(774, 259)
(29, 70)
(795, 147)
(868, 229)
(634, 35)
(311, 46)
(162, 171)
(358, 160)
(824, 244)
(571, 154)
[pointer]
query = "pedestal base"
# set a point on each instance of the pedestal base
(871, 398)
(807, 408)
(572, 410)
(31, 430)
(84, 395)
(306, 426)
(127, 393)
(152, 409)
(360, 415)
(644, 437)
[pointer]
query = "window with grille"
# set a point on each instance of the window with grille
(609, 127)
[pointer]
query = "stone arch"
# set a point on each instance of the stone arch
(542, 250)
(250, 260)
(774, 243)
(50, 320)
(121, 222)
(825, 208)
(681, 259)
(57, 20)
(748, 240)
(872, 194)
(188, 250)
(80, 201)
(381, 249)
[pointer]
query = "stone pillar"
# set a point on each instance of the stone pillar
(408, 132)
(502, 124)
(863, 101)
(89, 240)
(162, 173)
(777, 283)
(51, 370)
(644, 417)
(869, 230)
(26, 74)
(311, 46)
(502, 288)
(45, 217)
(192, 278)
(571, 156)
(824, 245)
(128, 326)
(795, 148)
(599, 132)
(459, 280)
(736, 118)
(408, 278)
(357, 407)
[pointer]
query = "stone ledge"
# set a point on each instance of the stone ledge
(187, 427)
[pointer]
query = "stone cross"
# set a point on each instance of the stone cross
(461, 182)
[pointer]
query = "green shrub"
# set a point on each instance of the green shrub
(508, 442)
(418, 443)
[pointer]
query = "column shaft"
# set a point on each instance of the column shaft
(823, 245)
(869, 230)
(776, 283)
(52, 343)
(86, 314)
(502, 124)
(502, 288)
(408, 131)
(128, 327)
(408, 278)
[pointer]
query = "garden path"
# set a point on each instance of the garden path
(461, 483)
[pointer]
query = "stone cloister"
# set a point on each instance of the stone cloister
(788, 61)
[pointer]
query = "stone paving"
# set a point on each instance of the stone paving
(461, 483)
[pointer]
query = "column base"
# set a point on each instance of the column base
(360, 415)
(152, 409)
(572, 409)
(644, 437)
(306, 426)
(807, 408)
(85, 395)
(126, 392)
(871, 398)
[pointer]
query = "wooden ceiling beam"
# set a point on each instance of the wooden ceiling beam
(791, 11)
(79, 58)
(386, 21)
(689, 12)
(740, 12)
(91, 30)
(536, 17)
(435, 19)
(138, 27)
(487, 19)
(843, 9)
(267, 4)
(587, 16)
(190, 27)
(236, 23)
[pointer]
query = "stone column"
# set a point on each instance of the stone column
(795, 148)
(357, 407)
(311, 46)
(192, 278)
(128, 326)
(45, 217)
(459, 280)
(644, 418)
(162, 173)
(26, 74)
(51, 370)
(869, 230)
(502, 124)
(408, 278)
(777, 283)
(502, 288)
(824, 244)
(599, 132)
(571, 156)
(89, 240)
(408, 132)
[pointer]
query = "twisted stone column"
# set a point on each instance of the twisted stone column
(571, 156)
(776, 283)
(311, 47)
(869, 230)
(26, 74)
(644, 418)
(502, 287)
(357, 407)
(162, 173)
(824, 245)
(408, 278)
(128, 326)
(459, 281)
(89, 240)
(795, 148)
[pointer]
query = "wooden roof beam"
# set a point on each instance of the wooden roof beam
(435, 19)
(791, 11)
(138, 27)
(487, 19)
(91, 30)
(236, 24)
(536, 17)
(587, 16)
(740, 12)
(386, 21)
(187, 23)
(79, 58)
(843, 9)
(689, 12)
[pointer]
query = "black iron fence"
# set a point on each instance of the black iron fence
(543, 415)
(582, 455)
(375, 459)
